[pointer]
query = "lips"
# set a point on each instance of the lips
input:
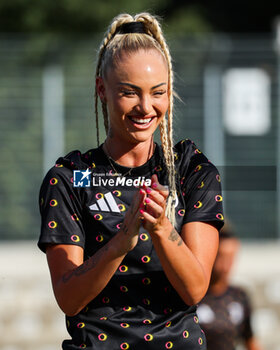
(141, 122)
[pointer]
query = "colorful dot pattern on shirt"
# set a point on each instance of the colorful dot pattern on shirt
(139, 300)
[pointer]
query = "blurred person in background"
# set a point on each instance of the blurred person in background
(129, 263)
(225, 312)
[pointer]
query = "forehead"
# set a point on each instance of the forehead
(140, 66)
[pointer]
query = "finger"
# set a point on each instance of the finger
(138, 201)
(158, 187)
(161, 190)
(148, 217)
(153, 208)
(155, 179)
(159, 197)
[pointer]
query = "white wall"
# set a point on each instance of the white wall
(30, 318)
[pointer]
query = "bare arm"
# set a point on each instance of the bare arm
(77, 282)
(187, 259)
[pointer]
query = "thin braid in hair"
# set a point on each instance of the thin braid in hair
(170, 209)
(105, 115)
(96, 115)
(116, 23)
(166, 133)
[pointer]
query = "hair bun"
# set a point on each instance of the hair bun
(131, 27)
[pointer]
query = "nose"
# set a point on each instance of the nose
(145, 105)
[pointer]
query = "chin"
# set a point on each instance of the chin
(141, 137)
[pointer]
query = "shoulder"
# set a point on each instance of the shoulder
(62, 171)
(74, 160)
(189, 158)
(186, 147)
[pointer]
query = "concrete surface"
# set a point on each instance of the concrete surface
(30, 318)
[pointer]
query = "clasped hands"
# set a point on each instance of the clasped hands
(147, 209)
(153, 206)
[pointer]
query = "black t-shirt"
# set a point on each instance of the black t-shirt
(138, 309)
(225, 318)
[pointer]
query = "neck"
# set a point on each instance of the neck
(129, 155)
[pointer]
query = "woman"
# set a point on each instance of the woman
(131, 255)
(225, 311)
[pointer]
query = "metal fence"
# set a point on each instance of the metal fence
(46, 109)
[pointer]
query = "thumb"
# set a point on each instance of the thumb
(138, 200)
(155, 182)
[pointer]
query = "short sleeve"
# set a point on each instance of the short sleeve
(201, 187)
(60, 209)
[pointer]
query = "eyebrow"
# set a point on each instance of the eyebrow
(138, 88)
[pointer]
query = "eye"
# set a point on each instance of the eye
(128, 92)
(160, 92)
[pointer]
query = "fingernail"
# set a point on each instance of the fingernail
(154, 185)
(148, 190)
(142, 191)
(141, 211)
(147, 200)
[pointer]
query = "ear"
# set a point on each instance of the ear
(100, 88)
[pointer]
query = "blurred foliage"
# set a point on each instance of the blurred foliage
(39, 33)
(21, 137)
(188, 21)
(90, 16)
(87, 16)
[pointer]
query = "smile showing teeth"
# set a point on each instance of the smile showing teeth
(141, 121)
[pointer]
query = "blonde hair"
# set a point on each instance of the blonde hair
(112, 46)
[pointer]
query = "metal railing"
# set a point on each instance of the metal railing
(46, 110)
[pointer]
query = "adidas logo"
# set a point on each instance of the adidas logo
(107, 203)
